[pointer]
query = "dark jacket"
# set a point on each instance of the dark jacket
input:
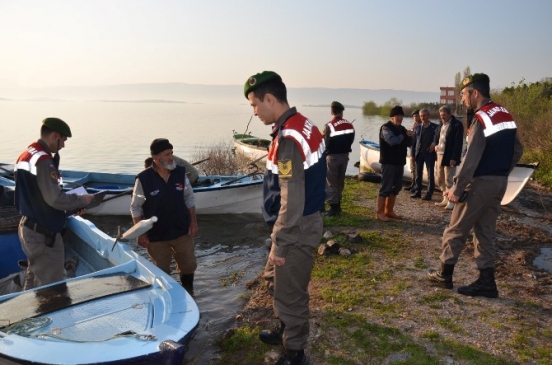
(393, 144)
(422, 138)
(454, 141)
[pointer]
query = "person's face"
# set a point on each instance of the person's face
(467, 96)
(262, 109)
(59, 141)
(444, 116)
(397, 119)
(165, 159)
(424, 116)
(417, 118)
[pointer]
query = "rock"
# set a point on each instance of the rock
(328, 235)
(344, 252)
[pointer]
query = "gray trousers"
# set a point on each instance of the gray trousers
(479, 211)
(335, 176)
(391, 182)
(289, 283)
(46, 264)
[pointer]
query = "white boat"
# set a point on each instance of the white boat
(520, 175)
(252, 147)
(214, 194)
(118, 309)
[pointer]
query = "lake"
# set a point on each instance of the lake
(115, 136)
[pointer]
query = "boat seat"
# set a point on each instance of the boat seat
(55, 297)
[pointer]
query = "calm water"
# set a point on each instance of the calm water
(115, 136)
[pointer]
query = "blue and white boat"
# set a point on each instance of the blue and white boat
(118, 308)
(214, 194)
(519, 176)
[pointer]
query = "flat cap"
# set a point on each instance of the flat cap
(256, 80)
(396, 110)
(57, 125)
(471, 79)
(159, 145)
(337, 105)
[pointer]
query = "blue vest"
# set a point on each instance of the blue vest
(165, 200)
(28, 199)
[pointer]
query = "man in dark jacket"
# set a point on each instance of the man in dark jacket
(394, 140)
(449, 140)
(423, 150)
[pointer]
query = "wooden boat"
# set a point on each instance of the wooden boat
(118, 309)
(253, 147)
(520, 175)
(214, 194)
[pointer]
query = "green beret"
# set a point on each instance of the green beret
(337, 105)
(468, 80)
(414, 112)
(258, 79)
(57, 125)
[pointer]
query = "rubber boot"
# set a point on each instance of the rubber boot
(292, 357)
(334, 211)
(380, 213)
(187, 281)
(485, 286)
(389, 205)
(442, 278)
(443, 203)
(450, 206)
(273, 336)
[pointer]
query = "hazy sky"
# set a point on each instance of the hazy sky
(387, 44)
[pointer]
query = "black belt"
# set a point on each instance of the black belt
(29, 223)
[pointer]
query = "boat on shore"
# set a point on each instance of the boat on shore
(255, 148)
(118, 308)
(369, 161)
(214, 194)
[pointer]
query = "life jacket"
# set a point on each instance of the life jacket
(500, 130)
(310, 143)
(165, 200)
(341, 136)
(28, 199)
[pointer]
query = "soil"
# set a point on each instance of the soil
(523, 228)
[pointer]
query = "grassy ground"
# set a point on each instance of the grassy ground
(375, 306)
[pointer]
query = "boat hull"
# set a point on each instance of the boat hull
(520, 175)
(147, 323)
(252, 147)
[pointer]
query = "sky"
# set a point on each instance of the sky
(362, 44)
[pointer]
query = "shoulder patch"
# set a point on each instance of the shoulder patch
(54, 175)
(284, 169)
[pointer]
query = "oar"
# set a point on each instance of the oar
(257, 160)
(200, 161)
(247, 127)
(248, 175)
(127, 191)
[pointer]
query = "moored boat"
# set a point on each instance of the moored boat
(253, 147)
(118, 308)
(520, 175)
(214, 194)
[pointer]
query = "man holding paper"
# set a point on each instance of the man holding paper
(44, 205)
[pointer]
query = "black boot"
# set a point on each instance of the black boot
(443, 277)
(273, 336)
(334, 211)
(292, 357)
(187, 281)
(410, 187)
(485, 286)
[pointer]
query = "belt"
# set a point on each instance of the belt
(32, 225)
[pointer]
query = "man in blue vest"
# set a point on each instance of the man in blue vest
(479, 186)
(294, 191)
(44, 205)
(168, 196)
(339, 135)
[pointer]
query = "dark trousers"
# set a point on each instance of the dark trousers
(427, 158)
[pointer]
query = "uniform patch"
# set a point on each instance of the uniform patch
(54, 175)
(284, 169)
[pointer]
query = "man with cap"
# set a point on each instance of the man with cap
(412, 161)
(493, 151)
(339, 135)
(163, 190)
(294, 191)
(394, 140)
(44, 205)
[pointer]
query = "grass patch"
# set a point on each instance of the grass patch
(245, 341)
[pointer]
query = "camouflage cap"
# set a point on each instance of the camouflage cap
(471, 79)
(57, 125)
(414, 112)
(256, 80)
(337, 105)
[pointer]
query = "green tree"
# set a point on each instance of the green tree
(370, 108)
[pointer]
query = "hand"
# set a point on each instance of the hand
(143, 240)
(88, 198)
(409, 133)
(452, 163)
(192, 231)
(451, 197)
(437, 148)
(80, 211)
(275, 260)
